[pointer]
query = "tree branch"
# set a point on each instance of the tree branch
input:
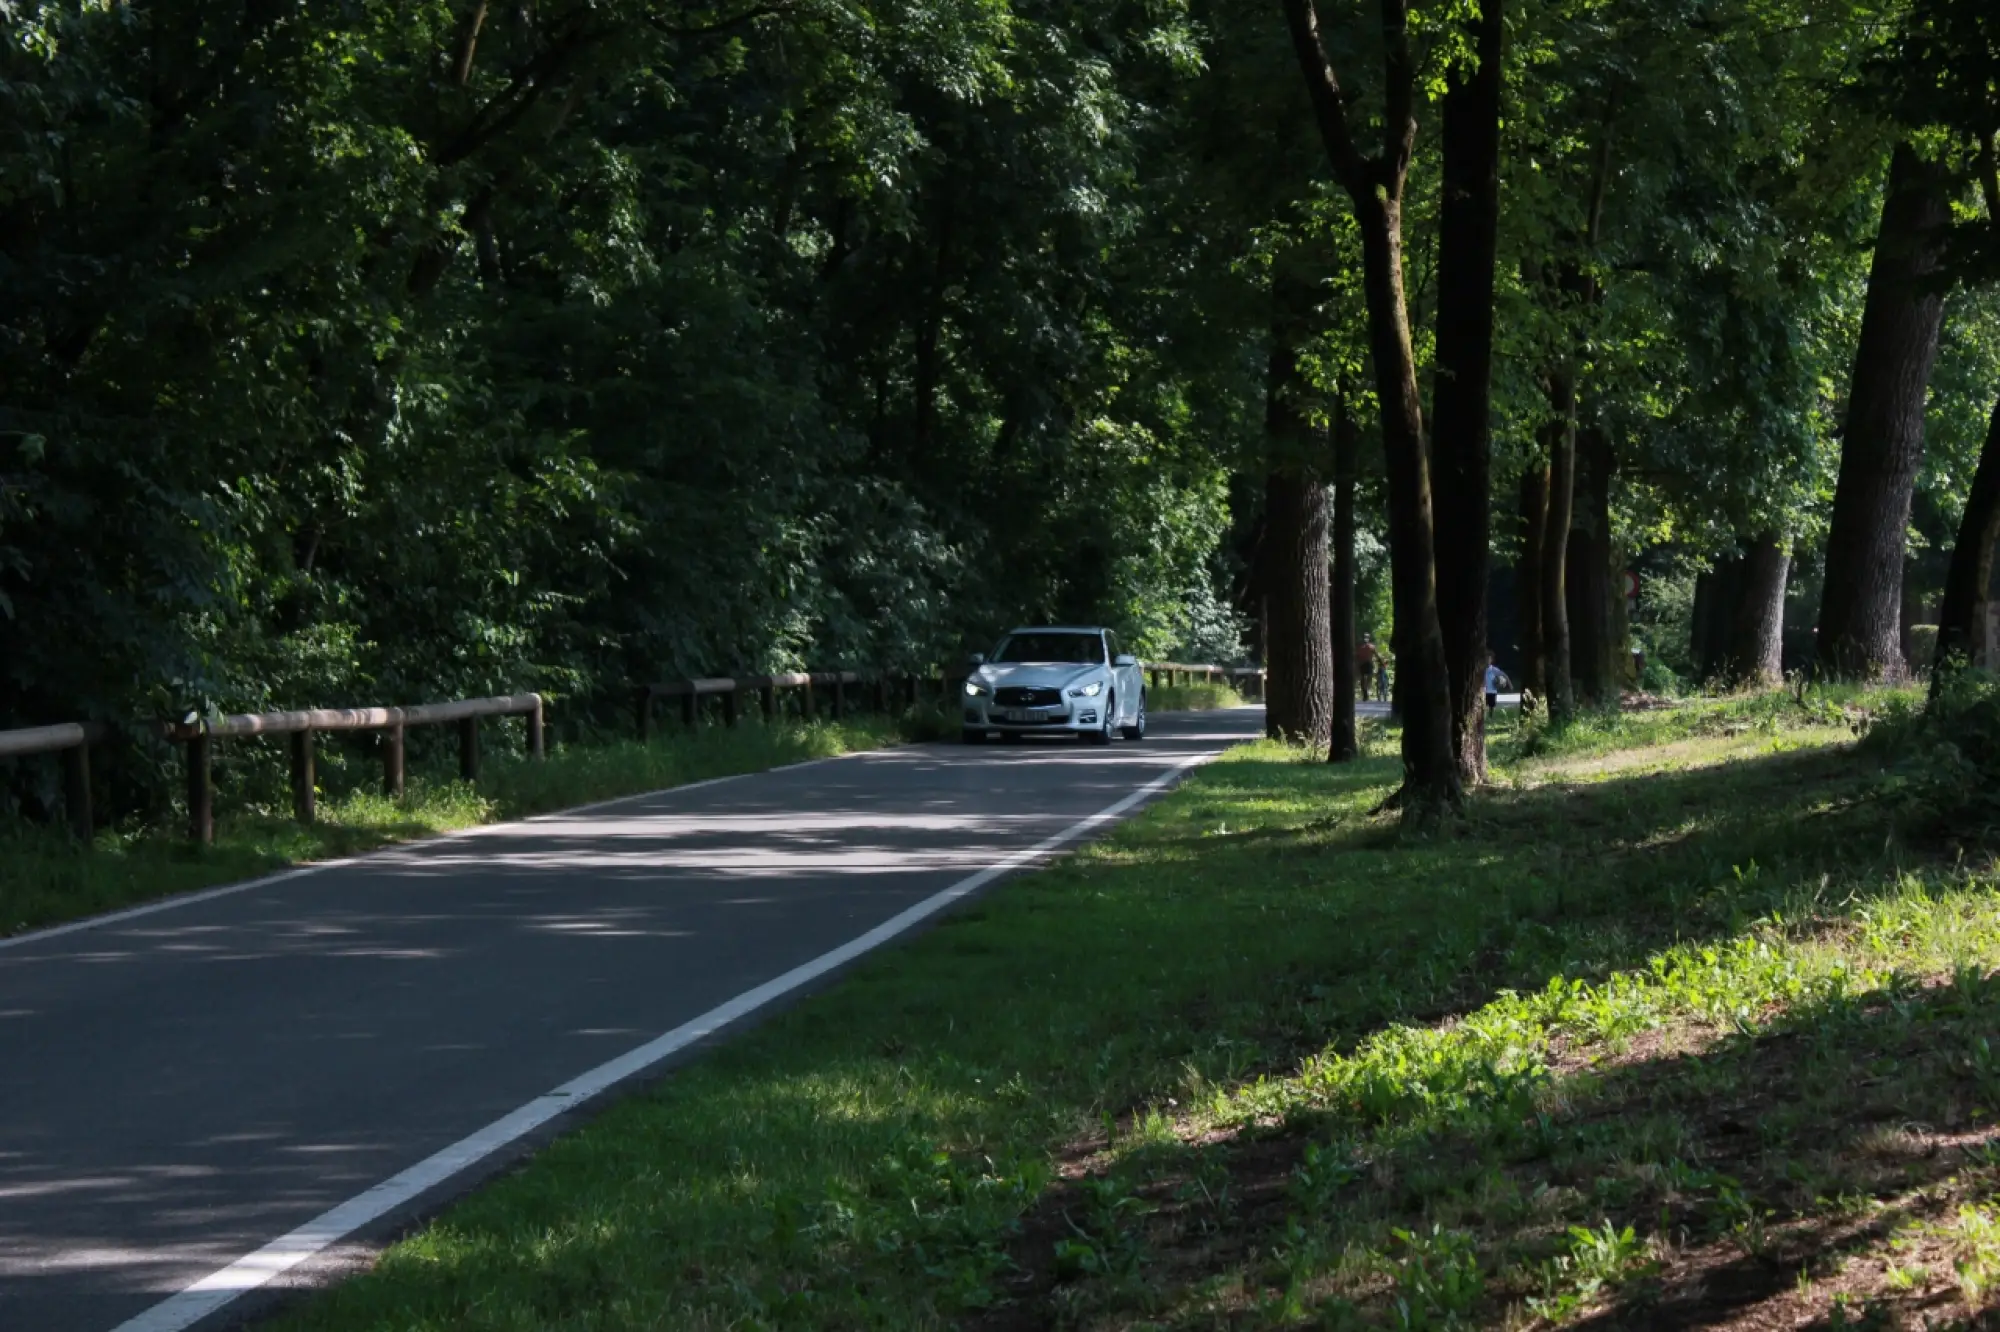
(1399, 121)
(508, 107)
(1329, 106)
(468, 44)
(1989, 182)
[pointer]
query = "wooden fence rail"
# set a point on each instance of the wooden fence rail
(1181, 673)
(73, 740)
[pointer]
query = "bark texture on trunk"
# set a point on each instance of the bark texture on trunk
(1755, 654)
(1593, 667)
(1962, 617)
(1534, 517)
(1560, 438)
(1461, 430)
(1298, 702)
(1345, 744)
(1883, 447)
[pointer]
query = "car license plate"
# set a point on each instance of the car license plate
(1022, 715)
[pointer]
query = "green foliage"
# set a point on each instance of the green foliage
(369, 353)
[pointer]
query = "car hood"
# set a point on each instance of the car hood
(1035, 675)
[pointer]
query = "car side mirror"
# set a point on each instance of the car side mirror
(978, 659)
(1124, 659)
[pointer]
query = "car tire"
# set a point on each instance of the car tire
(1102, 735)
(1137, 730)
(971, 737)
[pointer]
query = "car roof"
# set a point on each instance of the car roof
(1057, 629)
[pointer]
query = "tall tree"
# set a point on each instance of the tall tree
(1374, 184)
(1461, 440)
(1962, 619)
(1300, 693)
(1860, 617)
(1345, 744)
(1755, 655)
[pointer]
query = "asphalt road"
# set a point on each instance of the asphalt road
(180, 1088)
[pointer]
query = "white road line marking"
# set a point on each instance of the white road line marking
(212, 1292)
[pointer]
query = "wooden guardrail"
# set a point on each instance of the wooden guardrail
(730, 690)
(198, 734)
(1182, 673)
(73, 740)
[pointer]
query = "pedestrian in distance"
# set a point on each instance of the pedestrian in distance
(1364, 665)
(1493, 679)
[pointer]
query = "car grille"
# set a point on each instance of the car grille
(1014, 696)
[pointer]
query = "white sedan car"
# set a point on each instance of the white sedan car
(1058, 680)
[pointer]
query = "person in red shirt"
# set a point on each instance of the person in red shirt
(1364, 664)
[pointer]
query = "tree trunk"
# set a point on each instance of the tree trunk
(1883, 446)
(1345, 744)
(1560, 435)
(1534, 515)
(1374, 187)
(1962, 617)
(1593, 670)
(1422, 681)
(1755, 654)
(1461, 430)
(1298, 703)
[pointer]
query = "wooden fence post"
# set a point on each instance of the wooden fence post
(76, 790)
(468, 749)
(304, 806)
(200, 791)
(811, 704)
(392, 762)
(767, 696)
(537, 736)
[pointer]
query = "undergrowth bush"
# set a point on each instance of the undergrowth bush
(1942, 756)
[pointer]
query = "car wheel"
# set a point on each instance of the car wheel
(1137, 730)
(972, 737)
(1102, 736)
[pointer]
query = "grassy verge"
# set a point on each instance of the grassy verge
(1199, 697)
(46, 878)
(1689, 1023)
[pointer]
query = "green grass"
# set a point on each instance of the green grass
(1683, 1018)
(1202, 696)
(46, 878)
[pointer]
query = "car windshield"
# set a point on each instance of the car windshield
(1077, 649)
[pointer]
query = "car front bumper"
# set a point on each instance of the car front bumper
(1083, 714)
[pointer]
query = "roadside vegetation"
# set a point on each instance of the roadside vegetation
(1201, 696)
(1692, 1019)
(46, 877)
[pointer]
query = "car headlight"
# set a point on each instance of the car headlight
(974, 689)
(1091, 690)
